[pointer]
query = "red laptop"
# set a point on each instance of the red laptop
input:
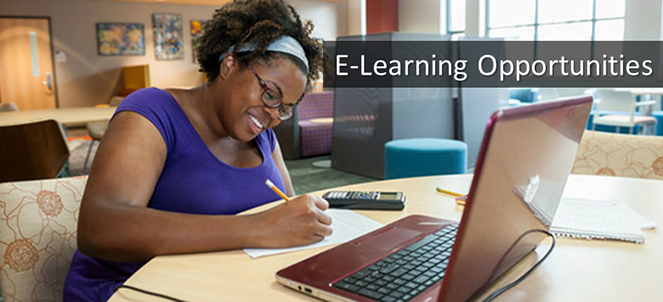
(524, 162)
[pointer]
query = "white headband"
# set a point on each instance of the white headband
(283, 44)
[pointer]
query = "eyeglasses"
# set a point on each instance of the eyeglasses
(272, 99)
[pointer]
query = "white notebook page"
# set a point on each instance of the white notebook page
(346, 225)
(596, 219)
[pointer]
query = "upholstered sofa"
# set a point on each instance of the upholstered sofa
(309, 132)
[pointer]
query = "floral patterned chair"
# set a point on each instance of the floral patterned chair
(602, 153)
(38, 236)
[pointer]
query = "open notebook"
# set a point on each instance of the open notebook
(597, 219)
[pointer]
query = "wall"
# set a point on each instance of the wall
(422, 16)
(86, 78)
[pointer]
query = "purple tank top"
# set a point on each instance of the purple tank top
(193, 181)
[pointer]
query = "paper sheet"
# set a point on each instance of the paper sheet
(600, 219)
(643, 222)
(347, 225)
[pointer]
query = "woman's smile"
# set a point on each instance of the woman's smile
(256, 125)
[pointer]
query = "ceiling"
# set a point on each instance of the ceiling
(196, 2)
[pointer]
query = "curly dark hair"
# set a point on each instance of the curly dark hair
(257, 22)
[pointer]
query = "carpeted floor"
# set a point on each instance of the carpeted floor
(305, 176)
(78, 155)
(308, 178)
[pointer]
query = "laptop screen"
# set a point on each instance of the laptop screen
(526, 157)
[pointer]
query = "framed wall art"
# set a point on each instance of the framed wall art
(120, 39)
(168, 36)
(196, 33)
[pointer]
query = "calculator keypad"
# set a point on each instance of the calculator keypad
(367, 200)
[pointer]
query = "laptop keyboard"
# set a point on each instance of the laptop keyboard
(404, 274)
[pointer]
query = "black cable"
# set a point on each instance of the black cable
(149, 293)
(521, 278)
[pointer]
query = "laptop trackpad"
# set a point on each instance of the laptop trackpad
(387, 239)
(367, 249)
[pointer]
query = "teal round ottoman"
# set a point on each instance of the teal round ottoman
(424, 156)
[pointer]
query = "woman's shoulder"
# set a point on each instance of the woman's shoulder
(147, 96)
(152, 101)
(160, 108)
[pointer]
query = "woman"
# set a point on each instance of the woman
(176, 165)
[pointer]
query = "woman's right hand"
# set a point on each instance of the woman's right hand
(300, 221)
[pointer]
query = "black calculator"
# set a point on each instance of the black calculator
(365, 200)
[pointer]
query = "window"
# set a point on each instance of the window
(456, 18)
(549, 20)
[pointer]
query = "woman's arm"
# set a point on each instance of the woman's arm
(115, 223)
(278, 159)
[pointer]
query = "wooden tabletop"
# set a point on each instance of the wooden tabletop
(70, 117)
(577, 270)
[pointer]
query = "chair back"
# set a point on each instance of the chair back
(602, 153)
(614, 100)
(8, 107)
(547, 94)
(115, 101)
(38, 236)
(34, 150)
(524, 95)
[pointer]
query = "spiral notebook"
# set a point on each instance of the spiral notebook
(597, 219)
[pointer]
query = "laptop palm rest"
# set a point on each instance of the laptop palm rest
(349, 258)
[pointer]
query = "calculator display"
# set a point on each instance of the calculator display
(388, 196)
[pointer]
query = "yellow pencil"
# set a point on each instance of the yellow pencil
(449, 192)
(461, 200)
(271, 185)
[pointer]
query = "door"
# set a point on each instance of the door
(26, 63)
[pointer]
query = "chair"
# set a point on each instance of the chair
(8, 107)
(618, 109)
(551, 94)
(602, 153)
(113, 102)
(34, 150)
(38, 236)
(547, 94)
(309, 132)
(96, 130)
(132, 78)
(521, 96)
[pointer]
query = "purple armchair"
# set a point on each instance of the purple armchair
(299, 136)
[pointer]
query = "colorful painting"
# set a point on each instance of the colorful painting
(196, 33)
(168, 37)
(120, 39)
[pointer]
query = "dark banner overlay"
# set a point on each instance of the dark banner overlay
(494, 64)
